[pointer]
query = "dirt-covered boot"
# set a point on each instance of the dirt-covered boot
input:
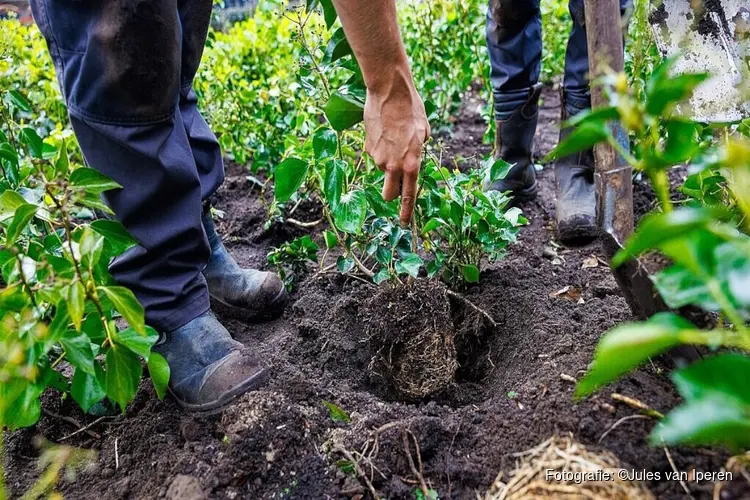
(208, 368)
(255, 293)
(513, 140)
(575, 211)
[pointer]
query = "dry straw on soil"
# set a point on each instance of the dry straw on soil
(563, 454)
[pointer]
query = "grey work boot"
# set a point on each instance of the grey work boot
(513, 140)
(208, 369)
(575, 211)
(255, 293)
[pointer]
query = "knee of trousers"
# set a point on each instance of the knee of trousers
(117, 63)
(507, 18)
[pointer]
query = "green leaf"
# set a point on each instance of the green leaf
(127, 305)
(379, 206)
(658, 228)
(90, 245)
(338, 47)
(21, 404)
(158, 370)
(32, 141)
(337, 414)
(583, 137)
(137, 343)
(498, 170)
(409, 264)
(115, 234)
(431, 110)
(344, 264)
(288, 177)
(334, 182)
(86, 389)
(626, 346)
(325, 143)
(123, 374)
(330, 238)
(91, 181)
(21, 219)
(665, 91)
(62, 164)
(19, 101)
(78, 351)
(471, 273)
(351, 211)
(343, 111)
(680, 287)
(683, 141)
(75, 295)
(329, 12)
(381, 276)
(716, 408)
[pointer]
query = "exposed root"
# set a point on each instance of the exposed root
(363, 461)
(617, 424)
(473, 306)
(638, 405)
(530, 480)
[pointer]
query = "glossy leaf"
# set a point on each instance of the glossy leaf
(123, 374)
(137, 343)
(288, 177)
(471, 273)
(75, 296)
(78, 351)
(21, 219)
(583, 137)
(19, 101)
(158, 370)
(334, 182)
(337, 413)
(115, 234)
(351, 211)
(325, 143)
(409, 264)
(716, 408)
(338, 47)
(32, 141)
(343, 111)
(127, 305)
(344, 264)
(87, 389)
(91, 181)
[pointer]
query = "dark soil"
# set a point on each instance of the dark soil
(511, 389)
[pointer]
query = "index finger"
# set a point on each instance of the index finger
(409, 180)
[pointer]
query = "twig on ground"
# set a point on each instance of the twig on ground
(621, 421)
(117, 455)
(473, 306)
(674, 468)
(73, 422)
(87, 427)
(358, 470)
(638, 405)
(405, 433)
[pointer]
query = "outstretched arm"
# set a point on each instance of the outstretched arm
(395, 121)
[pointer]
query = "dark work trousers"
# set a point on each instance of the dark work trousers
(126, 68)
(514, 41)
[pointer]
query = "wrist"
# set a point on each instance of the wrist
(394, 79)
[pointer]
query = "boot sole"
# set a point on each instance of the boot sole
(214, 407)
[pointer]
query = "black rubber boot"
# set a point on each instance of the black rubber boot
(513, 139)
(574, 187)
(208, 369)
(254, 293)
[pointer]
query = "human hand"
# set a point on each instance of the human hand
(396, 127)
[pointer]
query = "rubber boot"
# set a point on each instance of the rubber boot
(208, 369)
(513, 140)
(254, 293)
(575, 211)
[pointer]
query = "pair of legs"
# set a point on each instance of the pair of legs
(514, 42)
(126, 68)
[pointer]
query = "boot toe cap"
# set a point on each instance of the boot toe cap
(578, 227)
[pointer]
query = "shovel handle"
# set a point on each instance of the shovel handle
(614, 186)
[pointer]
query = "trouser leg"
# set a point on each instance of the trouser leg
(576, 81)
(119, 63)
(514, 43)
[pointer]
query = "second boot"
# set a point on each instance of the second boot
(514, 136)
(575, 211)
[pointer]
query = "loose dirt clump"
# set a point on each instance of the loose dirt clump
(411, 338)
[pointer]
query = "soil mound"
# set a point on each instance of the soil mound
(411, 338)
